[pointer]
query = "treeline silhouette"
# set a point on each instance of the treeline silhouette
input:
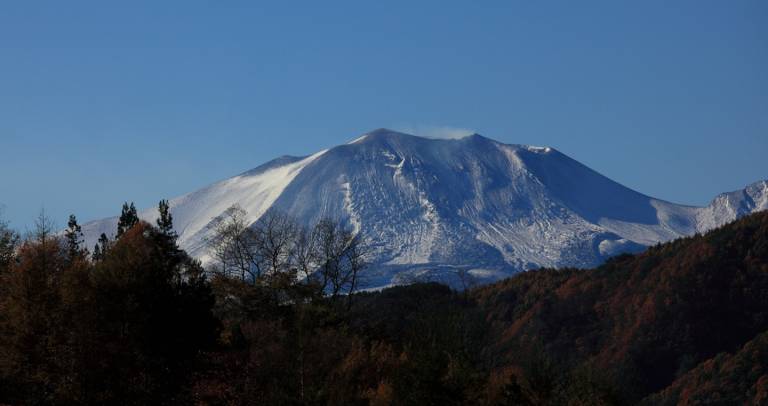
(136, 320)
(123, 328)
(675, 316)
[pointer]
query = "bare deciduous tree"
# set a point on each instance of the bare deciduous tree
(273, 237)
(329, 254)
(232, 247)
(341, 257)
(355, 256)
(305, 252)
(275, 251)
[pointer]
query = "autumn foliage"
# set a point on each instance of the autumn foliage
(637, 324)
(682, 323)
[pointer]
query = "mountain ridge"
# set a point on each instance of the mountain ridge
(431, 207)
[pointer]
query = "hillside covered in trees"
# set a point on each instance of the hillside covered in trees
(137, 321)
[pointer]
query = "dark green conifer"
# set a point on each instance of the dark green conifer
(74, 237)
(9, 240)
(165, 221)
(128, 219)
(96, 252)
(101, 248)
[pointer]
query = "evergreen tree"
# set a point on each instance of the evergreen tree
(101, 248)
(74, 237)
(9, 240)
(128, 219)
(155, 319)
(165, 221)
(96, 252)
(123, 330)
(30, 323)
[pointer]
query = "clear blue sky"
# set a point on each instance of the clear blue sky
(104, 103)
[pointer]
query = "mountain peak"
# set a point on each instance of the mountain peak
(476, 137)
(433, 206)
(383, 134)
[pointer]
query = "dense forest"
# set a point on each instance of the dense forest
(135, 320)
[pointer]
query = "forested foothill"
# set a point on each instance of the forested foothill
(136, 320)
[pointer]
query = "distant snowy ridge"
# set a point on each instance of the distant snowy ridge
(433, 207)
(254, 190)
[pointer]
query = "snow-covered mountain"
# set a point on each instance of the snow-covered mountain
(431, 207)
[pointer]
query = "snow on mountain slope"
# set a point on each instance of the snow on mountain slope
(254, 191)
(730, 206)
(431, 207)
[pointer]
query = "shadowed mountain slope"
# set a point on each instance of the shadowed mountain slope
(432, 207)
(642, 323)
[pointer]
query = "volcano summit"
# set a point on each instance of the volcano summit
(431, 207)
